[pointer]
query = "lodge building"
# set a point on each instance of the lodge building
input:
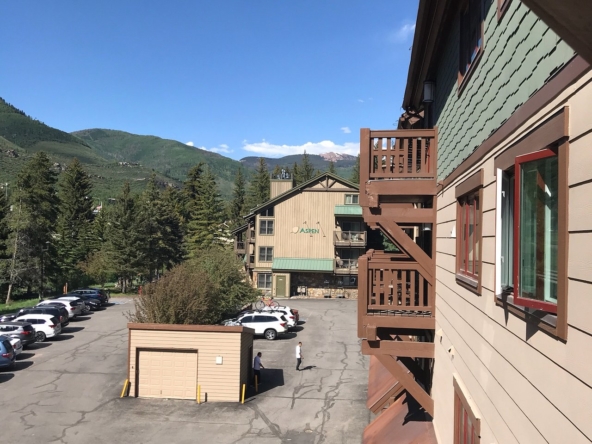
(478, 328)
(305, 240)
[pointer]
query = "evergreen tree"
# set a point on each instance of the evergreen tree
(205, 227)
(306, 168)
(331, 167)
(32, 225)
(277, 172)
(296, 175)
(4, 234)
(259, 189)
(192, 190)
(355, 177)
(237, 204)
(75, 218)
(124, 243)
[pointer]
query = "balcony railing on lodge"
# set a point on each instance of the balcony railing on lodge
(394, 292)
(252, 237)
(346, 266)
(240, 246)
(349, 238)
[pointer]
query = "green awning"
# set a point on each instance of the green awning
(297, 264)
(348, 210)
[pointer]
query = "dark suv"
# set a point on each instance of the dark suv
(93, 293)
(58, 312)
(20, 330)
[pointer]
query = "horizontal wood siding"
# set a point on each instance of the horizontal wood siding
(520, 55)
(219, 382)
(246, 364)
(528, 386)
(303, 210)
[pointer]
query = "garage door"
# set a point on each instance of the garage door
(167, 374)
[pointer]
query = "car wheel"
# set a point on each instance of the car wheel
(40, 336)
(270, 334)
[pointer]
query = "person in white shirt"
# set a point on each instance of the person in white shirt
(257, 366)
(298, 355)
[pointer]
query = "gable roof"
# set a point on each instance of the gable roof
(297, 189)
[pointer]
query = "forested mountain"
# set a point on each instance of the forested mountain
(169, 157)
(22, 136)
(344, 164)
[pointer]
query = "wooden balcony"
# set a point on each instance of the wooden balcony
(239, 247)
(349, 239)
(346, 266)
(251, 261)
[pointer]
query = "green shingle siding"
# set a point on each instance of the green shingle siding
(521, 53)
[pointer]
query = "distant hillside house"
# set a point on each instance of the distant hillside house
(305, 240)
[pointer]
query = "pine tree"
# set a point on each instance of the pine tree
(192, 189)
(124, 243)
(259, 189)
(205, 227)
(32, 225)
(355, 177)
(237, 204)
(4, 234)
(296, 175)
(75, 218)
(331, 167)
(306, 168)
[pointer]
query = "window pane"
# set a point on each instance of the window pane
(477, 239)
(538, 229)
(471, 238)
(507, 253)
(463, 238)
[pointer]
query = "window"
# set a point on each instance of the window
(502, 6)
(471, 37)
(265, 254)
(267, 212)
(506, 262)
(536, 221)
(264, 280)
(352, 199)
(247, 319)
(266, 227)
(468, 223)
(466, 425)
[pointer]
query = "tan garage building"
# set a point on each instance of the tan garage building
(171, 361)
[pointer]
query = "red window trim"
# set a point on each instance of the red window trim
(462, 407)
(465, 211)
(525, 302)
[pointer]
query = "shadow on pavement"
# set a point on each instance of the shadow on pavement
(296, 329)
(21, 365)
(308, 367)
(270, 379)
(72, 329)
(62, 338)
(38, 345)
(25, 355)
(6, 377)
(81, 318)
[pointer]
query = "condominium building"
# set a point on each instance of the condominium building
(305, 240)
(478, 328)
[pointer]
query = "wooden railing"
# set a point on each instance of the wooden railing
(397, 154)
(239, 246)
(346, 266)
(349, 238)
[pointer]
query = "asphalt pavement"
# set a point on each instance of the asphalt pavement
(67, 390)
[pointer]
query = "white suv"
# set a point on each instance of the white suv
(286, 311)
(46, 326)
(267, 324)
(74, 309)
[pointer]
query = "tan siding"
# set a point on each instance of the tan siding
(528, 386)
(219, 382)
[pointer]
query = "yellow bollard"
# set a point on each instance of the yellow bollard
(125, 385)
(243, 398)
(256, 384)
(199, 394)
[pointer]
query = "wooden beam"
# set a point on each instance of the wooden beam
(371, 332)
(394, 391)
(398, 348)
(410, 322)
(399, 371)
(402, 187)
(401, 215)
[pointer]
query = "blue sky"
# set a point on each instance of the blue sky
(242, 78)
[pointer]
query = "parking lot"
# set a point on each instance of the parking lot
(67, 390)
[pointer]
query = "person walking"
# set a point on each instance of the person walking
(257, 366)
(298, 355)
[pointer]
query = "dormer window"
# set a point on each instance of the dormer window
(352, 199)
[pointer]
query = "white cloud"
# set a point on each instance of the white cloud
(361, 100)
(267, 149)
(345, 129)
(190, 143)
(403, 33)
(222, 148)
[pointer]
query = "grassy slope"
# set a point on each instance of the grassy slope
(26, 136)
(166, 156)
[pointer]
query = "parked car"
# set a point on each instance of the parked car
(92, 303)
(17, 345)
(286, 311)
(74, 309)
(96, 293)
(269, 325)
(7, 355)
(58, 311)
(21, 330)
(84, 308)
(46, 326)
(8, 317)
